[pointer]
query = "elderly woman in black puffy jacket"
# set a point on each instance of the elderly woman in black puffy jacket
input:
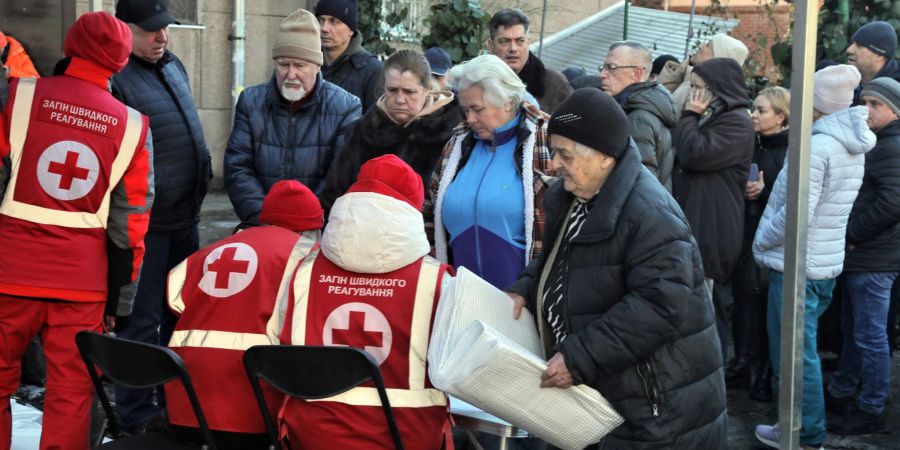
(409, 120)
(619, 293)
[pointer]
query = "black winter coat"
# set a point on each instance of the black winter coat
(181, 162)
(270, 142)
(358, 72)
(874, 225)
(641, 328)
(419, 144)
(891, 70)
(713, 154)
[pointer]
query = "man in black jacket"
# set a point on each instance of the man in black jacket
(155, 83)
(870, 268)
(872, 49)
(619, 294)
(347, 63)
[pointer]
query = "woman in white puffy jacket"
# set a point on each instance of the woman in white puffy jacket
(840, 140)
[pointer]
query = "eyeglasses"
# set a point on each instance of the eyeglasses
(609, 67)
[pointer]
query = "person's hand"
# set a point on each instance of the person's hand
(754, 188)
(699, 100)
(109, 323)
(557, 374)
(518, 303)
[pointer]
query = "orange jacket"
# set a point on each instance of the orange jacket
(16, 59)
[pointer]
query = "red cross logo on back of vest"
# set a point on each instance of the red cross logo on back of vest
(228, 270)
(68, 170)
(362, 326)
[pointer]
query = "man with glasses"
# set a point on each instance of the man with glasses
(509, 42)
(650, 107)
(289, 128)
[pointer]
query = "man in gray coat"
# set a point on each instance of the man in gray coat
(650, 107)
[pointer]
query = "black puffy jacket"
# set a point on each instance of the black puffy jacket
(180, 157)
(419, 143)
(874, 225)
(641, 328)
(271, 142)
(358, 72)
(712, 161)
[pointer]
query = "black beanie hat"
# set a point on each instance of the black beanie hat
(344, 10)
(879, 37)
(660, 62)
(591, 117)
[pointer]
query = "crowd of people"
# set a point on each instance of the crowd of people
(638, 213)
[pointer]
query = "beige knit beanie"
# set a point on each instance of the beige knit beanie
(833, 88)
(298, 37)
(725, 46)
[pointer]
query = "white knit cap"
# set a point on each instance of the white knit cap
(833, 88)
(725, 46)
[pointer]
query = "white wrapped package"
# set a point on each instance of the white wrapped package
(499, 376)
(479, 354)
(469, 298)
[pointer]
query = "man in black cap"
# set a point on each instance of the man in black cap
(347, 63)
(619, 295)
(155, 83)
(872, 50)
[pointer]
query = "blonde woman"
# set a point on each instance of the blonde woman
(771, 113)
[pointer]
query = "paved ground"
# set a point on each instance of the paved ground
(218, 220)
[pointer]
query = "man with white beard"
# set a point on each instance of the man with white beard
(289, 128)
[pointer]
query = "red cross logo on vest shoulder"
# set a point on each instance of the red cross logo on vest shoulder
(362, 326)
(68, 170)
(228, 270)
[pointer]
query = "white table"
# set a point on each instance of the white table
(472, 419)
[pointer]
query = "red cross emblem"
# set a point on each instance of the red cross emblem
(228, 270)
(359, 325)
(226, 265)
(68, 170)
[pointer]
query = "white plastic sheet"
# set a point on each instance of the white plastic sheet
(26, 426)
(479, 354)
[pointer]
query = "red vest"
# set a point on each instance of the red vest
(70, 144)
(226, 294)
(388, 315)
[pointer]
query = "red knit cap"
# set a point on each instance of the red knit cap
(389, 175)
(290, 204)
(100, 38)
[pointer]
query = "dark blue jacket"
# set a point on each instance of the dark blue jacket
(269, 142)
(180, 156)
(358, 72)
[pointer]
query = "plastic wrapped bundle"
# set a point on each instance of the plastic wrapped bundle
(469, 298)
(497, 368)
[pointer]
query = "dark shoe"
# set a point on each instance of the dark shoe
(860, 422)
(737, 373)
(841, 406)
(761, 386)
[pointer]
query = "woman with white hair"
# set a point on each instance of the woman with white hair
(487, 191)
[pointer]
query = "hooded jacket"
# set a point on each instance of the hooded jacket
(358, 72)
(839, 143)
(419, 142)
(874, 225)
(713, 154)
(271, 142)
(641, 328)
(652, 114)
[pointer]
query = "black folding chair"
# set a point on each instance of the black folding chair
(137, 365)
(311, 372)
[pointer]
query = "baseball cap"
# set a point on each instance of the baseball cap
(439, 60)
(150, 15)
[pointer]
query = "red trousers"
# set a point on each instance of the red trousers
(67, 401)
